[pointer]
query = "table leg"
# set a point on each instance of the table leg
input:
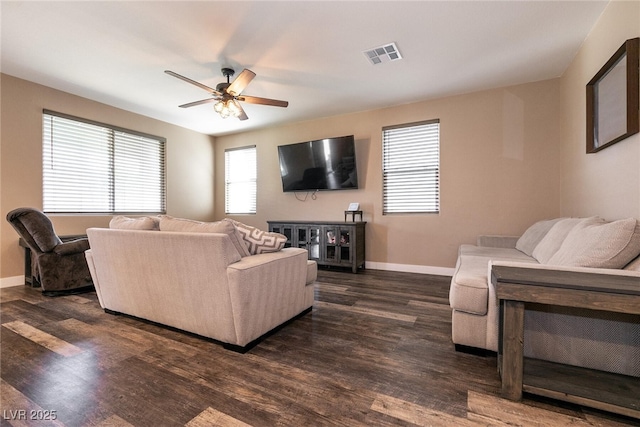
(512, 349)
(28, 279)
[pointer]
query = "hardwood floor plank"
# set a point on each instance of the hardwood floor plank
(19, 410)
(28, 312)
(416, 414)
(42, 338)
(367, 311)
(375, 351)
(211, 417)
(114, 421)
(517, 414)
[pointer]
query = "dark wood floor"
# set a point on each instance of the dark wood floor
(375, 351)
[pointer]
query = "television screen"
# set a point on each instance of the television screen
(324, 164)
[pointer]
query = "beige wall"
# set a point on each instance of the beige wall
(499, 173)
(606, 183)
(189, 160)
(509, 157)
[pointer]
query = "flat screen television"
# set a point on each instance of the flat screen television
(323, 164)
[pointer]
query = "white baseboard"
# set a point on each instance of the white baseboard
(408, 268)
(7, 282)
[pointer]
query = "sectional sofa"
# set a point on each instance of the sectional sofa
(598, 340)
(224, 280)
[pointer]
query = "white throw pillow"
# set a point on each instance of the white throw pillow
(534, 234)
(169, 223)
(126, 223)
(552, 241)
(600, 244)
(259, 241)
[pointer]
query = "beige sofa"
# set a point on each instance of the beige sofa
(599, 340)
(197, 280)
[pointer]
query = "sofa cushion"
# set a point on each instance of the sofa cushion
(534, 234)
(552, 241)
(259, 241)
(634, 265)
(126, 223)
(493, 253)
(169, 223)
(600, 244)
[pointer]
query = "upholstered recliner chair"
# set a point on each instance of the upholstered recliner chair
(59, 267)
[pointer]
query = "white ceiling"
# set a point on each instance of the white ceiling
(308, 53)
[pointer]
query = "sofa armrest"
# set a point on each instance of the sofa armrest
(497, 241)
(267, 290)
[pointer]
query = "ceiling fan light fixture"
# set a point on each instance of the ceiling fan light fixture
(226, 96)
(234, 107)
(226, 108)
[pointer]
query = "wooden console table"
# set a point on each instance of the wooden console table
(515, 288)
(339, 244)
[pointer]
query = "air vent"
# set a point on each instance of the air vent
(386, 53)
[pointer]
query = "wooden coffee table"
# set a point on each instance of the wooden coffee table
(517, 286)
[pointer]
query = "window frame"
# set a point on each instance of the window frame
(431, 169)
(111, 192)
(253, 204)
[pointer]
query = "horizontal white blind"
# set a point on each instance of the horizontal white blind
(240, 180)
(411, 168)
(93, 168)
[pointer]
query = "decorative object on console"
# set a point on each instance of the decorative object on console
(612, 99)
(353, 210)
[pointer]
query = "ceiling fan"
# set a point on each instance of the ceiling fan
(226, 95)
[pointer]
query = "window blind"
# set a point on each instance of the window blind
(90, 167)
(411, 168)
(240, 178)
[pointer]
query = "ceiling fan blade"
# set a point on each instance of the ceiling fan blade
(193, 104)
(263, 101)
(241, 82)
(193, 82)
(243, 115)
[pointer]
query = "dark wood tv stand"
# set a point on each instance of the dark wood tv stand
(339, 244)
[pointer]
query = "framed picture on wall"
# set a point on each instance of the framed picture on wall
(612, 99)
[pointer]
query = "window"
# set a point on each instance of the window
(240, 183)
(411, 168)
(89, 167)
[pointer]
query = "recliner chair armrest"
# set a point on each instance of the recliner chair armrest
(72, 247)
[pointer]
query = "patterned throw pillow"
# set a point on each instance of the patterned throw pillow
(259, 241)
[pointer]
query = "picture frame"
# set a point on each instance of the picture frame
(613, 99)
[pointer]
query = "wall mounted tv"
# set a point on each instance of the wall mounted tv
(324, 164)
